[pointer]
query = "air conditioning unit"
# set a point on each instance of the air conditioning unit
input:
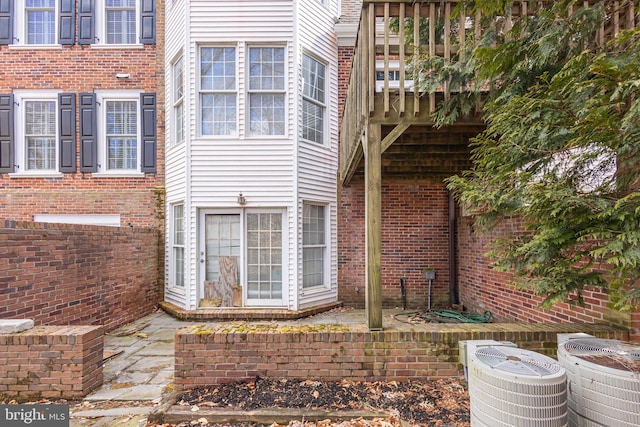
(603, 380)
(513, 387)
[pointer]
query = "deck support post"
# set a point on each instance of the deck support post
(373, 219)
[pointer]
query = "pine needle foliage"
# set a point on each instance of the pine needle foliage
(560, 150)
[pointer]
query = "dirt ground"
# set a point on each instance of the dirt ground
(437, 403)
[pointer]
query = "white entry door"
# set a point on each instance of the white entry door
(242, 259)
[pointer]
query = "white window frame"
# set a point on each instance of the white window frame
(202, 91)
(21, 27)
(324, 246)
(250, 91)
(102, 99)
(178, 132)
(321, 104)
(21, 98)
(173, 268)
(101, 26)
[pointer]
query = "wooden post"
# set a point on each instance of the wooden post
(373, 218)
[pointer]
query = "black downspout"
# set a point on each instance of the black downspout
(453, 269)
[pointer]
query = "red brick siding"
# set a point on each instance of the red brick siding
(482, 288)
(51, 362)
(204, 357)
(71, 275)
(415, 235)
(85, 69)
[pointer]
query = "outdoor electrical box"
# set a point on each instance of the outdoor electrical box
(430, 274)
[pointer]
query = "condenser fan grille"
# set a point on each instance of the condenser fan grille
(517, 361)
(591, 347)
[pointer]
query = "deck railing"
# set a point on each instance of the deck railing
(389, 46)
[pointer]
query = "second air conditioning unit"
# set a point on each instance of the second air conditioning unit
(513, 387)
(603, 379)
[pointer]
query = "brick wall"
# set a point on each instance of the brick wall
(213, 354)
(415, 235)
(76, 69)
(68, 274)
(51, 362)
(482, 288)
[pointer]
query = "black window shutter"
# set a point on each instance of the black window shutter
(6, 21)
(66, 22)
(86, 18)
(148, 124)
(67, 131)
(6, 134)
(88, 133)
(147, 21)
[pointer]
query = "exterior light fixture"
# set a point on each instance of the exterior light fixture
(241, 200)
(122, 76)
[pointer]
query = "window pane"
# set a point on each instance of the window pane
(40, 21)
(121, 21)
(218, 98)
(266, 112)
(40, 133)
(218, 114)
(313, 243)
(178, 80)
(122, 134)
(313, 109)
(264, 256)
(266, 68)
(178, 244)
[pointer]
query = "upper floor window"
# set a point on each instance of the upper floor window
(49, 22)
(218, 91)
(40, 21)
(313, 100)
(117, 132)
(120, 21)
(178, 100)
(37, 132)
(266, 91)
(40, 140)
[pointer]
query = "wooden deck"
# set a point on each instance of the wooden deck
(385, 112)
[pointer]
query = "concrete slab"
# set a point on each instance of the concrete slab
(152, 364)
(141, 392)
(163, 377)
(133, 378)
(13, 326)
(157, 348)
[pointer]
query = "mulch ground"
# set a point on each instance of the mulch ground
(437, 403)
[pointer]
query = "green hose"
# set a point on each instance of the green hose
(464, 317)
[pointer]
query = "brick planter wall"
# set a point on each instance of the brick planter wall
(59, 274)
(214, 354)
(51, 362)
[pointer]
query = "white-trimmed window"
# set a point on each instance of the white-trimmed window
(178, 100)
(36, 22)
(313, 100)
(177, 245)
(121, 134)
(218, 91)
(314, 246)
(36, 133)
(266, 86)
(116, 22)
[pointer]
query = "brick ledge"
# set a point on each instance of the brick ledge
(244, 313)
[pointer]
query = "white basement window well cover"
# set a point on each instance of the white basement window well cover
(105, 220)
